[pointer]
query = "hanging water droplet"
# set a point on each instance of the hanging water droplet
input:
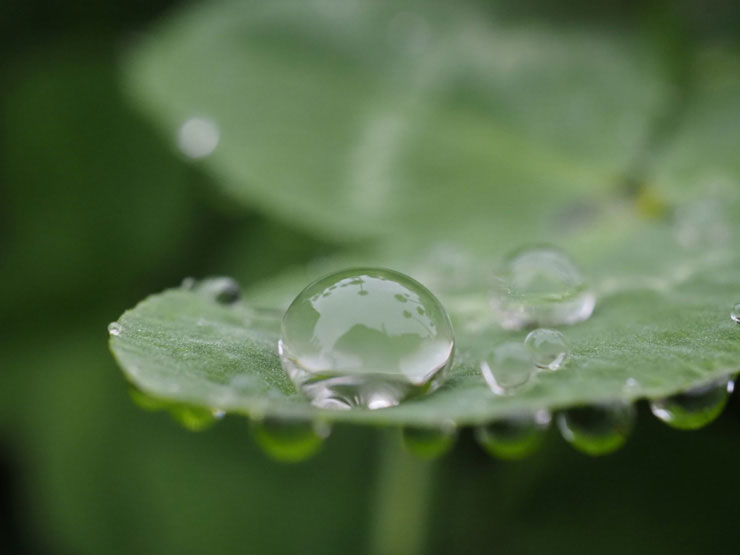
(507, 368)
(541, 286)
(549, 348)
(735, 314)
(289, 439)
(695, 407)
(597, 429)
(114, 329)
(429, 442)
(365, 338)
(514, 437)
(194, 419)
(146, 401)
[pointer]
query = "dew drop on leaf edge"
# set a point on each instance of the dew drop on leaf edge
(735, 313)
(696, 407)
(514, 437)
(365, 338)
(287, 439)
(429, 442)
(597, 429)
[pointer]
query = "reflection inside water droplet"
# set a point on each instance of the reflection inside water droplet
(597, 429)
(429, 442)
(514, 437)
(114, 328)
(289, 439)
(365, 338)
(541, 286)
(507, 368)
(549, 348)
(198, 137)
(695, 407)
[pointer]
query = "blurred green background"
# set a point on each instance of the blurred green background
(97, 210)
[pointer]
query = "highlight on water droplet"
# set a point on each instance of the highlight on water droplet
(198, 137)
(289, 439)
(549, 348)
(541, 286)
(514, 437)
(365, 338)
(735, 313)
(507, 368)
(597, 429)
(114, 329)
(695, 407)
(429, 442)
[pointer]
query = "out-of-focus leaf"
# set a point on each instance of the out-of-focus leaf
(357, 118)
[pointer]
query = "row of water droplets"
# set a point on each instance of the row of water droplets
(372, 337)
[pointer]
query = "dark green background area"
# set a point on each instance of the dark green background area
(97, 210)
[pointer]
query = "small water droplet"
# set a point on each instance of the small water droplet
(289, 439)
(345, 350)
(218, 414)
(541, 286)
(429, 442)
(198, 137)
(597, 429)
(735, 313)
(549, 348)
(114, 328)
(695, 407)
(224, 290)
(194, 419)
(507, 368)
(514, 437)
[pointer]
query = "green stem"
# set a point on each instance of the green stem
(403, 500)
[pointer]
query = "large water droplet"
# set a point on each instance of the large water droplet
(549, 348)
(365, 338)
(695, 407)
(735, 313)
(114, 329)
(541, 286)
(515, 436)
(429, 442)
(507, 368)
(289, 439)
(597, 429)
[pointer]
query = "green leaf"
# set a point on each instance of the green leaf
(356, 119)
(489, 158)
(649, 337)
